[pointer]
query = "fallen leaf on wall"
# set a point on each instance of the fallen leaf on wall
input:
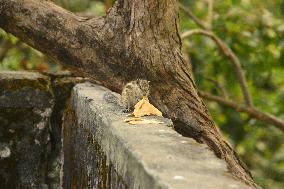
(143, 107)
(139, 121)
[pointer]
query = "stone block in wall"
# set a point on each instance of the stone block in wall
(26, 102)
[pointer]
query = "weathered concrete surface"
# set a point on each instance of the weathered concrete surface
(31, 109)
(26, 103)
(20, 89)
(101, 151)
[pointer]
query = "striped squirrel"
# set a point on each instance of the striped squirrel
(133, 92)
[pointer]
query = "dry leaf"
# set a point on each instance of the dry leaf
(143, 107)
(138, 121)
(133, 119)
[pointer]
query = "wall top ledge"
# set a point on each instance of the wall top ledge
(148, 156)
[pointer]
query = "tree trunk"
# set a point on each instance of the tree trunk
(136, 39)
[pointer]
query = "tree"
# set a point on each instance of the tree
(136, 39)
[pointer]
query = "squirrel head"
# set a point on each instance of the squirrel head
(144, 86)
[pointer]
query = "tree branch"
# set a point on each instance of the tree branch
(249, 108)
(231, 55)
(196, 20)
(209, 19)
(251, 111)
(219, 86)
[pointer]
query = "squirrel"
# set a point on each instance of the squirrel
(134, 91)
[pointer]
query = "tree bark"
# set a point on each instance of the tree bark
(136, 39)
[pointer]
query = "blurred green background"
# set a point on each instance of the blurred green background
(254, 30)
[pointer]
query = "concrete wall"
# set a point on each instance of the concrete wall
(100, 150)
(23, 142)
(31, 107)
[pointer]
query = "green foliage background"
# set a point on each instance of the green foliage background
(254, 29)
